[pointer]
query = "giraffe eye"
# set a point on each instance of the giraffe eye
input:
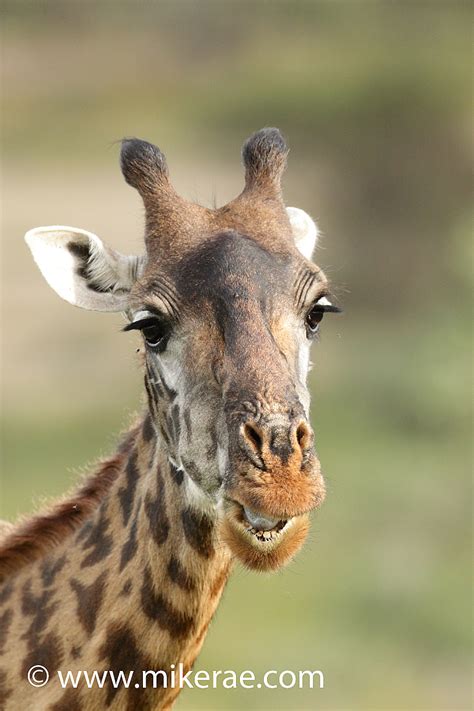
(313, 319)
(316, 313)
(154, 335)
(155, 332)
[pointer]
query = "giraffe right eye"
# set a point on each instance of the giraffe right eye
(155, 332)
(154, 335)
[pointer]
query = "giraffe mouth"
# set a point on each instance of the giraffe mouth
(265, 529)
(258, 541)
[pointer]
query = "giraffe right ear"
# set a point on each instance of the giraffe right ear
(305, 231)
(82, 269)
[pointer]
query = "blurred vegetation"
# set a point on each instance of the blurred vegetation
(375, 99)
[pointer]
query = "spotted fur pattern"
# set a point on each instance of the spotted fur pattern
(118, 592)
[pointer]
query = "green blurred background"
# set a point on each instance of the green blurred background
(375, 100)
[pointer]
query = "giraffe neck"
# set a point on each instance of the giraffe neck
(134, 588)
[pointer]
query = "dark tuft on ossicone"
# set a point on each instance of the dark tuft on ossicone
(264, 155)
(264, 146)
(143, 164)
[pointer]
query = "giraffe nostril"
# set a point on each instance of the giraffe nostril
(253, 435)
(303, 435)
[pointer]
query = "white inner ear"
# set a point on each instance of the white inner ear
(304, 230)
(82, 269)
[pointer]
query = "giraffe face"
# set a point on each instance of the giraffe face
(228, 303)
(227, 332)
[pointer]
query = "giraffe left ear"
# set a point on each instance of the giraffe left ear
(305, 231)
(82, 269)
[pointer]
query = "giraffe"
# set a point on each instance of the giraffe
(126, 572)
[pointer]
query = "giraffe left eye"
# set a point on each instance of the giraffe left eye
(313, 319)
(316, 313)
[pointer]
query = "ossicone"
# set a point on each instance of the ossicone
(143, 165)
(265, 155)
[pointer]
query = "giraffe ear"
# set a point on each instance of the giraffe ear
(305, 231)
(82, 269)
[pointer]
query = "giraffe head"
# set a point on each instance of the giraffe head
(227, 302)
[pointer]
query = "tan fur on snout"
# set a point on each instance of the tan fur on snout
(283, 492)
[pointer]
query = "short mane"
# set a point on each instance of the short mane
(35, 537)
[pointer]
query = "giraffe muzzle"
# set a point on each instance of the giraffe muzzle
(276, 474)
(275, 482)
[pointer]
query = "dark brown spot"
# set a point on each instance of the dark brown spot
(40, 608)
(126, 493)
(198, 529)
(5, 622)
(155, 510)
(84, 531)
(179, 575)
(211, 451)
(6, 590)
(76, 651)
(130, 546)
(121, 653)
(157, 608)
(148, 429)
(159, 392)
(51, 568)
(28, 600)
(154, 382)
(151, 396)
(128, 441)
(98, 540)
(89, 600)
(152, 454)
(48, 653)
(164, 434)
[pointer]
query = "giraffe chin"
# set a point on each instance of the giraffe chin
(262, 550)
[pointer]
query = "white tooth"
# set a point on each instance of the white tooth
(260, 522)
